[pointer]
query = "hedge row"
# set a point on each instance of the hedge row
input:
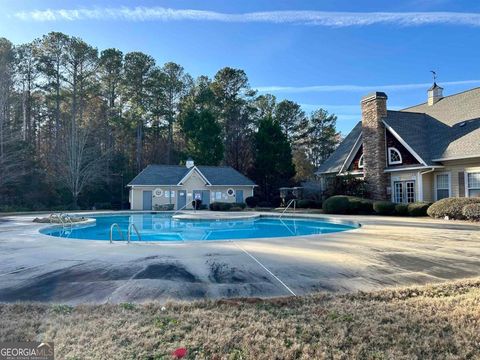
(341, 204)
(254, 201)
(224, 206)
(309, 204)
(456, 208)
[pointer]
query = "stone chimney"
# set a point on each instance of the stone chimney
(435, 93)
(189, 164)
(374, 109)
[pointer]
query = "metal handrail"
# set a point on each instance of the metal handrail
(115, 225)
(129, 232)
(294, 233)
(183, 207)
(53, 216)
(294, 202)
(67, 217)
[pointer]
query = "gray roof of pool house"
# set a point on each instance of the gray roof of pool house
(154, 175)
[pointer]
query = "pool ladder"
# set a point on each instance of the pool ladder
(65, 220)
(178, 210)
(129, 232)
(294, 202)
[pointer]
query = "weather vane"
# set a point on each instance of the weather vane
(434, 74)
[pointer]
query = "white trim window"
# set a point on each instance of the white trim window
(473, 184)
(394, 156)
(404, 191)
(360, 162)
(442, 185)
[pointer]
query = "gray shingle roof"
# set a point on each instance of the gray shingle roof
(452, 109)
(224, 175)
(448, 129)
(413, 128)
(334, 163)
(453, 125)
(172, 174)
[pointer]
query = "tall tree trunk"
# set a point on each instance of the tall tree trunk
(139, 146)
(57, 102)
(170, 141)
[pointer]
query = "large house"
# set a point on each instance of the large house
(177, 186)
(422, 153)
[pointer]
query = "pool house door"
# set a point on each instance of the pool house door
(404, 191)
(181, 199)
(239, 196)
(147, 200)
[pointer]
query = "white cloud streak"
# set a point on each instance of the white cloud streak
(317, 18)
(356, 88)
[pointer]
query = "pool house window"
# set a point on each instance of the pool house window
(394, 156)
(473, 184)
(442, 186)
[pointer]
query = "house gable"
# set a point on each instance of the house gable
(407, 157)
(194, 176)
(355, 164)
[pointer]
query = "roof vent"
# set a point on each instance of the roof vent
(189, 164)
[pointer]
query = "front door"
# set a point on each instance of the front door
(147, 200)
(181, 199)
(206, 197)
(404, 191)
(239, 196)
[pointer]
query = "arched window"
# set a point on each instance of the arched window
(394, 156)
(360, 162)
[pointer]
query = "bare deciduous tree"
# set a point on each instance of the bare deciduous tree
(78, 163)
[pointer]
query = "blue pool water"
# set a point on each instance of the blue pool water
(161, 227)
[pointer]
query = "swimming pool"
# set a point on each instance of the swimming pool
(162, 227)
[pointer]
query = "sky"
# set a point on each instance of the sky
(322, 53)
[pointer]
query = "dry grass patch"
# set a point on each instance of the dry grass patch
(432, 322)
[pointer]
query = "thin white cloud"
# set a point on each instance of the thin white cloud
(318, 18)
(356, 88)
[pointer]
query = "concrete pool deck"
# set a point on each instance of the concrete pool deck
(384, 252)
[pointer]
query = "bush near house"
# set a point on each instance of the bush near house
(338, 204)
(401, 209)
(309, 204)
(418, 208)
(342, 204)
(224, 206)
(451, 207)
(252, 201)
(163, 207)
(360, 205)
(384, 207)
(347, 186)
(472, 212)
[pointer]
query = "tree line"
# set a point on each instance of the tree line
(77, 124)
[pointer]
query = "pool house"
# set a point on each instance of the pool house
(163, 187)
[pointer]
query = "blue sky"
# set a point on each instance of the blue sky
(318, 53)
